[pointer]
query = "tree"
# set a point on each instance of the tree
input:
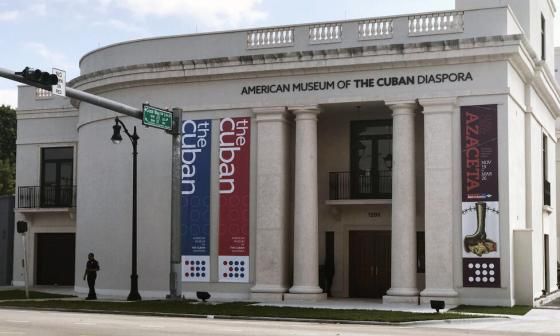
(8, 129)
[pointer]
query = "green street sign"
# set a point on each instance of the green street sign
(156, 117)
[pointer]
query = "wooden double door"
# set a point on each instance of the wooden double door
(370, 263)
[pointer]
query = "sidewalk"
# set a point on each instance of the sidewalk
(541, 320)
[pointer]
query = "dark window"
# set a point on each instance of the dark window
(371, 158)
(57, 176)
(546, 184)
(543, 38)
(420, 253)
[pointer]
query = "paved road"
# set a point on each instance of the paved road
(21, 322)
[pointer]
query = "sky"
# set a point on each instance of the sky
(57, 33)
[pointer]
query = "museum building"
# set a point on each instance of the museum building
(403, 158)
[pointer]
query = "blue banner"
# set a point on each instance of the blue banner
(195, 199)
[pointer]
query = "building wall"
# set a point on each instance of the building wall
(42, 121)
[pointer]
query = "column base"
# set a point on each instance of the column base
(306, 290)
(305, 297)
(268, 293)
(400, 299)
(402, 292)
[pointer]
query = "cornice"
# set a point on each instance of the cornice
(323, 61)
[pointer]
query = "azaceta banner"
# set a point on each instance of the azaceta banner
(234, 160)
(480, 197)
(195, 200)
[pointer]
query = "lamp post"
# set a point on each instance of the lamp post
(134, 295)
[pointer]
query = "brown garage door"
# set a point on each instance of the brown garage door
(55, 259)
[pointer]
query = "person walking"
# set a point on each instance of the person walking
(92, 267)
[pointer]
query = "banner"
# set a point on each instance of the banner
(480, 197)
(195, 200)
(234, 178)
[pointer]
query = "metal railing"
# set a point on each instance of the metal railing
(360, 185)
(57, 196)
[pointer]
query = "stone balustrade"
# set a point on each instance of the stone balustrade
(370, 29)
(375, 29)
(325, 33)
(435, 23)
(270, 38)
(311, 37)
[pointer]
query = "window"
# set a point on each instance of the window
(420, 252)
(57, 177)
(546, 184)
(371, 158)
(543, 38)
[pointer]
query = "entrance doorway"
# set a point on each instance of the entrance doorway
(55, 259)
(370, 263)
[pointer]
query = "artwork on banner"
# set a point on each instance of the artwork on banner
(234, 177)
(195, 200)
(480, 196)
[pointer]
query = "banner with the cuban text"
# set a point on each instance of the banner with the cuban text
(195, 200)
(234, 183)
(480, 197)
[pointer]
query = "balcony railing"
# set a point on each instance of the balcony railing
(360, 185)
(47, 197)
(546, 193)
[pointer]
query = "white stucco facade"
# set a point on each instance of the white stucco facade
(308, 91)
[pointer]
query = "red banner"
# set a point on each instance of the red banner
(234, 178)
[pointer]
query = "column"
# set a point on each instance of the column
(306, 223)
(439, 198)
(403, 213)
(273, 212)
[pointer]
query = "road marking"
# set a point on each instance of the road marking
(150, 326)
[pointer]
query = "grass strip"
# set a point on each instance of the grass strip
(237, 309)
(17, 294)
(515, 310)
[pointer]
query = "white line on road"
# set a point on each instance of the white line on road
(150, 326)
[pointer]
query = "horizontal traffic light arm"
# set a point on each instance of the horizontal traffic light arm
(77, 94)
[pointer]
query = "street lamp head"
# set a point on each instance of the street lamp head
(116, 138)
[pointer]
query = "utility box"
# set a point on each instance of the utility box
(6, 239)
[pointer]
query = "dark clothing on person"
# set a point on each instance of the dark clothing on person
(92, 266)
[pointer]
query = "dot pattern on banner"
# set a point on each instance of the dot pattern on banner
(235, 269)
(483, 272)
(195, 269)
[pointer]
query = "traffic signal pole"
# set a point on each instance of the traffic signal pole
(79, 95)
(175, 283)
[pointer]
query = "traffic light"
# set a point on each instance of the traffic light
(38, 76)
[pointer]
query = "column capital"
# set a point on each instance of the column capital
(402, 107)
(308, 112)
(267, 114)
(439, 105)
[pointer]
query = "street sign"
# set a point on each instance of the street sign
(156, 117)
(59, 89)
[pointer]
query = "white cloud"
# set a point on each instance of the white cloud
(213, 13)
(119, 25)
(39, 8)
(9, 15)
(8, 97)
(52, 58)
